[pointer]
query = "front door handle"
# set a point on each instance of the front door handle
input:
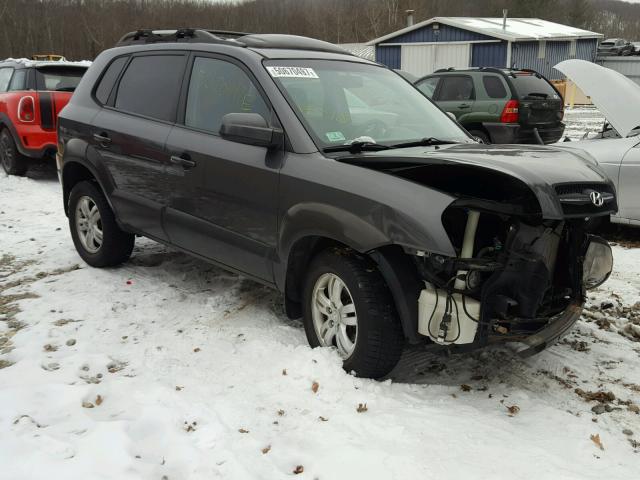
(185, 162)
(464, 105)
(102, 139)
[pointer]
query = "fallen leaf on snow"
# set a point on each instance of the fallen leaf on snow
(513, 410)
(284, 371)
(465, 388)
(315, 386)
(178, 388)
(281, 412)
(87, 405)
(362, 407)
(596, 439)
(299, 469)
(98, 400)
(323, 419)
(242, 430)
(266, 449)
(197, 349)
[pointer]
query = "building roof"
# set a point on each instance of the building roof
(363, 50)
(517, 29)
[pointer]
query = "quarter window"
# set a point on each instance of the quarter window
(456, 89)
(151, 86)
(5, 76)
(18, 80)
(494, 86)
(218, 87)
(109, 79)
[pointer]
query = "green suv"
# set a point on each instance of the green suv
(499, 105)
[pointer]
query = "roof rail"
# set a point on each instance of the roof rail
(179, 35)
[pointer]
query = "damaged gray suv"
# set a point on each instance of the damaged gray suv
(334, 180)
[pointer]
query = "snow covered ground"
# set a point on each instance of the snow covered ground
(169, 368)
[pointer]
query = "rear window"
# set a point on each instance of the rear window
(531, 86)
(59, 79)
(494, 86)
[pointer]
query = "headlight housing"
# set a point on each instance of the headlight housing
(598, 263)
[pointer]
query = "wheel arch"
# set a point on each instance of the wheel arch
(75, 171)
(396, 267)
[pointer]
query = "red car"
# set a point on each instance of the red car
(32, 93)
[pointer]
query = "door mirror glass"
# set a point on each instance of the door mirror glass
(250, 129)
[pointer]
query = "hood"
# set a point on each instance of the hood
(616, 96)
(540, 168)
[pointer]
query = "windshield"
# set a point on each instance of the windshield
(345, 102)
(59, 79)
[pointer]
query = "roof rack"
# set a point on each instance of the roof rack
(238, 39)
(180, 35)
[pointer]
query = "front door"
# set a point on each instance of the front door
(129, 137)
(629, 185)
(223, 204)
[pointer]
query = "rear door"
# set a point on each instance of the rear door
(130, 131)
(223, 202)
(628, 185)
(492, 96)
(456, 94)
(540, 104)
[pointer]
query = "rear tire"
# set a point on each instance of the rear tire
(13, 162)
(362, 315)
(480, 135)
(97, 237)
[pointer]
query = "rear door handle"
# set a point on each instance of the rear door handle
(102, 138)
(184, 162)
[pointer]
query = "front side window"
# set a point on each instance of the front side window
(5, 77)
(218, 87)
(340, 102)
(151, 86)
(428, 86)
(58, 79)
(456, 88)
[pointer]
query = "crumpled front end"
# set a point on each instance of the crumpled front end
(514, 280)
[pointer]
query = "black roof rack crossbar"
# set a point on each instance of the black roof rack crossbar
(179, 35)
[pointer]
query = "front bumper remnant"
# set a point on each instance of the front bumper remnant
(550, 334)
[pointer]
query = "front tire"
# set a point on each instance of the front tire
(13, 162)
(97, 237)
(347, 305)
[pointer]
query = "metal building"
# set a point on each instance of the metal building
(462, 42)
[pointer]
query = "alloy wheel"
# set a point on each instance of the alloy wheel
(89, 224)
(334, 314)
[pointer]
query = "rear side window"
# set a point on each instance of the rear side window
(5, 77)
(530, 86)
(218, 87)
(428, 86)
(150, 86)
(109, 78)
(18, 81)
(494, 86)
(456, 88)
(58, 79)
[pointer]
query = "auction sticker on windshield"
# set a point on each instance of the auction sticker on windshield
(292, 72)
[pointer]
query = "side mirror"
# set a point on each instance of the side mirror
(452, 116)
(250, 129)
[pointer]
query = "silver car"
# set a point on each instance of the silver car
(617, 147)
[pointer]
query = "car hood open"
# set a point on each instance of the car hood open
(539, 167)
(615, 95)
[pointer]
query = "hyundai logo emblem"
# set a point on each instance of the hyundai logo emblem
(596, 198)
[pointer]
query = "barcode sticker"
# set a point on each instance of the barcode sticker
(292, 72)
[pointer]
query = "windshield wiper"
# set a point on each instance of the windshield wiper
(356, 147)
(425, 142)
